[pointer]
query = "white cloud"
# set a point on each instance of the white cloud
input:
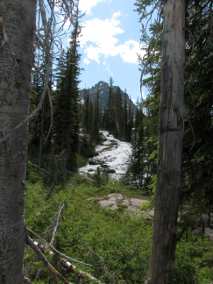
(129, 51)
(100, 40)
(86, 6)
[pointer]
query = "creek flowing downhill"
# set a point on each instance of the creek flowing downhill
(112, 155)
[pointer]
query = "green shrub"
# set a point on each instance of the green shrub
(116, 244)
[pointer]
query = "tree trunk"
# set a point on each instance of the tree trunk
(171, 139)
(16, 54)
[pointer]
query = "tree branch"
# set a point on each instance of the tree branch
(64, 260)
(58, 276)
(61, 207)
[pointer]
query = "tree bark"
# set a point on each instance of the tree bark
(16, 57)
(171, 139)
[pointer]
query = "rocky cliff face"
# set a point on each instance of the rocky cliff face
(103, 88)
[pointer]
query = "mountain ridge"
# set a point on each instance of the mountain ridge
(103, 88)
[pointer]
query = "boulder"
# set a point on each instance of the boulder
(110, 171)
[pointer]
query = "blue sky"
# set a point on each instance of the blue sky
(110, 44)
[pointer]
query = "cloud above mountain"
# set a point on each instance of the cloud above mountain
(86, 6)
(100, 39)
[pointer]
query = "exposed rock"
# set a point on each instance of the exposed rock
(108, 203)
(125, 203)
(93, 162)
(209, 233)
(104, 166)
(133, 205)
(111, 171)
(135, 202)
(115, 196)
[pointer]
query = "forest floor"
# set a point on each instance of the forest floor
(116, 243)
(112, 156)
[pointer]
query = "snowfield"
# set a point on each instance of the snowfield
(112, 155)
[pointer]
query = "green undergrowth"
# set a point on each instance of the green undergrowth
(115, 244)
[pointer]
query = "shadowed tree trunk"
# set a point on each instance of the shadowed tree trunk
(16, 54)
(171, 136)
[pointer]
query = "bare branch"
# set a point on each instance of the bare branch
(51, 115)
(64, 260)
(53, 250)
(61, 207)
(46, 38)
(27, 280)
(43, 258)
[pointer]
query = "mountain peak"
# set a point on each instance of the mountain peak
(103, 88)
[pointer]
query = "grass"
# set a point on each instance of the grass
(116, 244)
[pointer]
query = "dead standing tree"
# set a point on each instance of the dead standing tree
(17, 26)
(16, 58)
(171, 140)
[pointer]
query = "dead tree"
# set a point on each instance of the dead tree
(16, 57)
(171, 140)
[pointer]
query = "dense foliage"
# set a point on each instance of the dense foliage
(115, 243)
(198, 93)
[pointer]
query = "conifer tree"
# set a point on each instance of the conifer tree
(137, 166)
(110, 112)
(125, 119)
(86, 114)
(130, 121)
(97, 117)
(67, 103)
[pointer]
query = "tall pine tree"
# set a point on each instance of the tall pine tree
(67, 103)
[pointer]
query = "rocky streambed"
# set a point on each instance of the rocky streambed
(112, 156)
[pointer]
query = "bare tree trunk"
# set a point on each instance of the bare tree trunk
(16, 54)
(171, 137)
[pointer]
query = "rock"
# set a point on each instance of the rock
(104, 166)
(148, 214)
(136, 202)
(104, 203)
(111, 201)
(132, 209)
(115, 196)
(92, 162)
(125, 203)
(110, 171)
(114, 201)
(209, 233)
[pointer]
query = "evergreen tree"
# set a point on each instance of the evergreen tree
(40, 126)
(86, 113)
(110, 111)
(198, 151)
(138, 163)
(130, 121)
(97, 117)
(125, 117)
(67, 103)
